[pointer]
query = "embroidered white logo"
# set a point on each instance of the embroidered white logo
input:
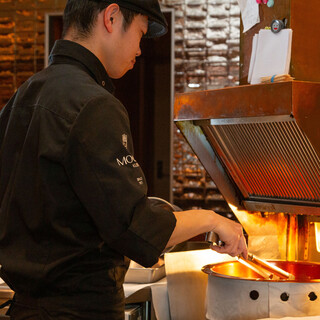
(140, 180)
(125, 140)
(126, 160)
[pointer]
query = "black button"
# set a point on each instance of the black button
(284, 296)
(312, 296)
(254, 294)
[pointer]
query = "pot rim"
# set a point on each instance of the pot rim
(208, 270)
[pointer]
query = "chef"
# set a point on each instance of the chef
(73, 199)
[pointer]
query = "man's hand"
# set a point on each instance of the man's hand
(191, 223)
(231, 233)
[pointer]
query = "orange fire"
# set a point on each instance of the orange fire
(271, 235)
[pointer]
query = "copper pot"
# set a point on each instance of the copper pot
(236, 292)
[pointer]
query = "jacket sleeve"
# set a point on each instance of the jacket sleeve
(110, 183)
(4, 118)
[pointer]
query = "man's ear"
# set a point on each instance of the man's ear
(110, 15)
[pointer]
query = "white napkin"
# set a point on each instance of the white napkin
(160, 300)
(249, 13)
(187, 284)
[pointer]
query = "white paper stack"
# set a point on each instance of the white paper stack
(271, 54)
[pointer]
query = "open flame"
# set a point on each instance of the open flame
(270, 235)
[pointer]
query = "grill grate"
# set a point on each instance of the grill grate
(270, 159)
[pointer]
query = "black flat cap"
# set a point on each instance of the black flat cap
(157, 22)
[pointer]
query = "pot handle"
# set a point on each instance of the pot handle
(213, 238)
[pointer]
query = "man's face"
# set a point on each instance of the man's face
(126, 46)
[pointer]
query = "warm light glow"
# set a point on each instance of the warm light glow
(317, 232)
(267, 232)
(292, 238)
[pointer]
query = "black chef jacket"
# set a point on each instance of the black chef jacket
(72, 197)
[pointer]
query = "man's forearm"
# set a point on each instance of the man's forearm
(194, 222)
(190, 224)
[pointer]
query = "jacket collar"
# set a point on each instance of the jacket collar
(65, 51)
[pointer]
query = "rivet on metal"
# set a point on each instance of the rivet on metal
(284, 296)
(254, 294)
(312, 296)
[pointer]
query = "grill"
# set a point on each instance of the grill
(262, 152)
(268, 158)
(261, 146)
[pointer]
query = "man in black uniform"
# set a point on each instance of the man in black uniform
(73, 200)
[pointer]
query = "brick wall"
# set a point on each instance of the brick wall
(206, 42)
(22, 25)
(207, 37)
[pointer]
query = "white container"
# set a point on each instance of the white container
(251, 298)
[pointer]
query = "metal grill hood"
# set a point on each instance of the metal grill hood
(259, 143)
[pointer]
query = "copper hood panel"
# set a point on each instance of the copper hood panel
(259, 143)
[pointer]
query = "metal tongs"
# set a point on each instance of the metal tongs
(264, 268)
(260, 266)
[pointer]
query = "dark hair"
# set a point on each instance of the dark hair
(82, 15)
